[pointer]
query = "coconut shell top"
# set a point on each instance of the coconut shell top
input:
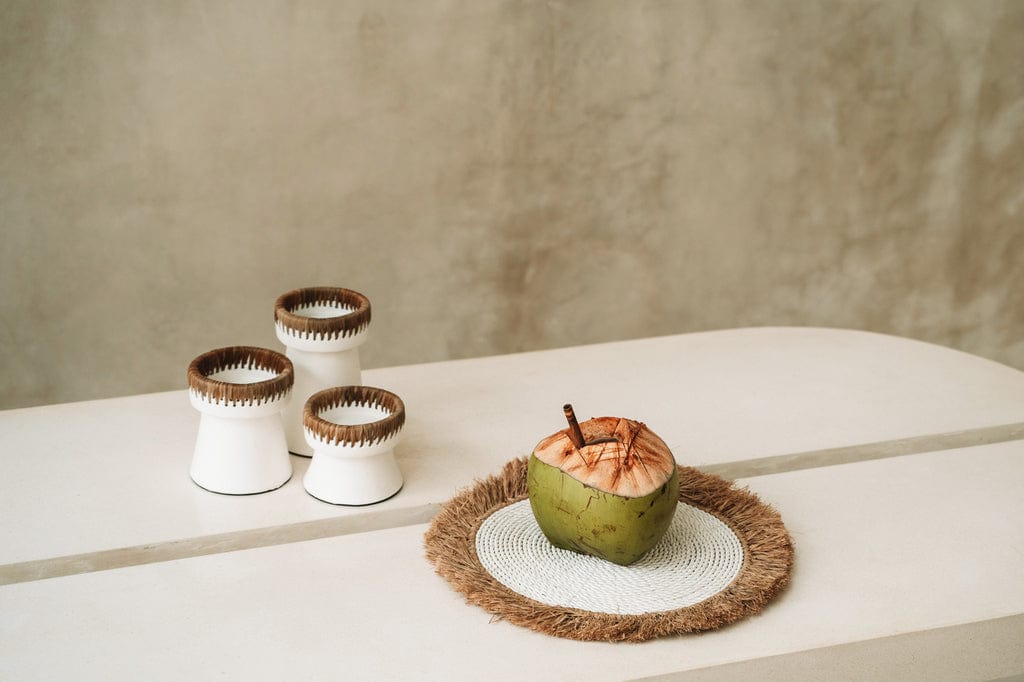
(631, 461)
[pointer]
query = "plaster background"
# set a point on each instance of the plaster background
(500, 176)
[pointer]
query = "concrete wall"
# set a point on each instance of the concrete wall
(500, 176)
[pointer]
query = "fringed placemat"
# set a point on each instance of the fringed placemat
(725, 556)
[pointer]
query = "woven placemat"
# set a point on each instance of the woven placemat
(726, 555)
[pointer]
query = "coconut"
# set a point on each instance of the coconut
(607, 487)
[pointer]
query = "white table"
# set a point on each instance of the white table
(897, 465)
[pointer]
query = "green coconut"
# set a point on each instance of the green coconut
(612, 498)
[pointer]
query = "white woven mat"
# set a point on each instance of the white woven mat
(698, 557)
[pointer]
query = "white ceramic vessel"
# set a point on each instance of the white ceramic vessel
(240, 392)
(322, 329)
(353, 431)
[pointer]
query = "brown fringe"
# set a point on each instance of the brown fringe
(249, 357)
(354, 434)
(768, 558)
(346, 324)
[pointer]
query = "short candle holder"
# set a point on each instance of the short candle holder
(240, 392)
(322, 329)
(353, 431)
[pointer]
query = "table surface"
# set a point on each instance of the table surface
(898, 467)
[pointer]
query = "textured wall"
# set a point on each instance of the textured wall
(500, 176)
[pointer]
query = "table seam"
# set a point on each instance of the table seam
(252, 538)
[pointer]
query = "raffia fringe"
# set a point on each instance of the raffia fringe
(345, 324)
(353, 434)
(768, 559)
(233, 357)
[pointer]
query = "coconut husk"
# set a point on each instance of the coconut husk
(768, 559)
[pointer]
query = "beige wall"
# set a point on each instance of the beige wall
(500, 176)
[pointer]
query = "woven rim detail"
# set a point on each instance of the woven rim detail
(450, 543)
(699, 556)
(244, 357)
(348, 323)
(353, 434)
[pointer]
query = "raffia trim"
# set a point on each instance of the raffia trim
(451, 547)
(353, 434)
(345, 324)
(234, 357)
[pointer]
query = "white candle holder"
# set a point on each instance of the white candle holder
(353, 431)
(322, 329)
(240, 392)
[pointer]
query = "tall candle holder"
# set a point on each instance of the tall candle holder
(240, 392)
(322, 329)
(353, 431)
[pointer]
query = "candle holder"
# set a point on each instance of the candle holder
(240, 392)
(353, 431)
(322, 329)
